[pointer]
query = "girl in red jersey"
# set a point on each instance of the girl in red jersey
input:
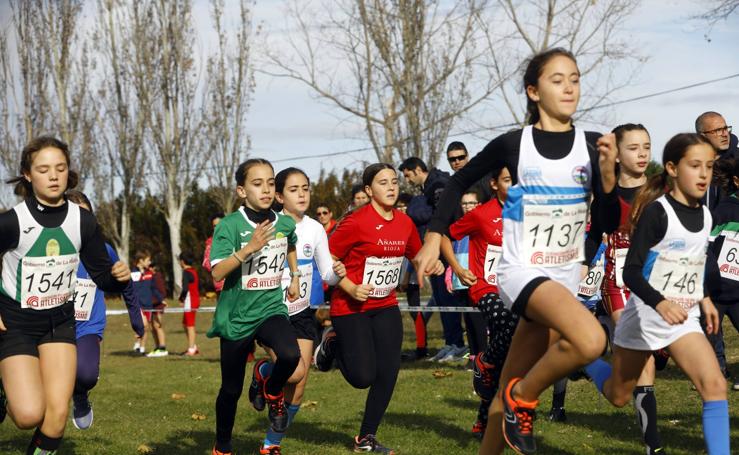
(367, 329)
(484, 226)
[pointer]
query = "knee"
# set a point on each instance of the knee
(298, 374)
(620, 398)
(28, 416)
(590, 345)
(86, 380)
(712, 387)
(361, 379)
(290, 357)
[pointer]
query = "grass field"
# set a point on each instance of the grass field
(137, 411)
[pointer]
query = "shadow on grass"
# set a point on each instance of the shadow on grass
(177, 357)
(19, 442)
(193, 442)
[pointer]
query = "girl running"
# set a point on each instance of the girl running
(43, 240)
(367, 329)
(664, 270)
(249, 250)
(89, 311)
(554, 169)
(484, 226)
(293, 192)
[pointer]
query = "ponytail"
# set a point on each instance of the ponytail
(656, 186)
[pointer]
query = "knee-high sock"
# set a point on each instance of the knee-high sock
(274, 438)
(599, 371)
(645, 404)
(558, 394)
(716, 427)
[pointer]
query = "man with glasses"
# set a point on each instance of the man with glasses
(714, 128)
(457, 156)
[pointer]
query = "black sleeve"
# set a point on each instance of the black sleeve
(605, 209)
(10, 231)
(95, 256)
(186, 280)
(650, 229)
(495, 155)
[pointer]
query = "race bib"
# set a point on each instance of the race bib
(383, 274)
(619, 262)
(49, 281)
(84, 298)
(591, 283)
(492, 257)
(263, 270)
(679, 278)
(728, 259)
(553, 234)
(306, 280)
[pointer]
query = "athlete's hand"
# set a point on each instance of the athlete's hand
(360, 292)
(261, 236)
(428, 257)
(608, 151)
(467, 278)
(339, 269)
(711, 315)
(121, 272)
(293, 291)
(437, 268)
(671, 312)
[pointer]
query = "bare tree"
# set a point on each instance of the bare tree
(592, 31)
(166, 80)
(228, 97)
(719, 10)
(44, 76)
(120, 122)
(407, 69)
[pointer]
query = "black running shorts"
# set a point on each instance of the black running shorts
(27, 329)
(304, 324)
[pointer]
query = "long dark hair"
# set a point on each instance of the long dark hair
(23, 187)
(534, 69)
(658, 184)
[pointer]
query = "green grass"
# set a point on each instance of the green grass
(134, 406)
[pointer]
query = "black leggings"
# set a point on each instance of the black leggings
(369, 356)
(501, 324)
(276, 333)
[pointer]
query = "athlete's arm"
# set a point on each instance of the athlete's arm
(10, 231)
(323, 258)
(650, 229)
(293, 291)
(605, 209)
(94, 255)
(227, 262)
(447, 251)
(186, 280)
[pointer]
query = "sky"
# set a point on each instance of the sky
(288, 124)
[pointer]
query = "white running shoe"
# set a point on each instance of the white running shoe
(442, 353)
(456, 354)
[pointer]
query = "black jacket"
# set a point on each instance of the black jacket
(725, 224)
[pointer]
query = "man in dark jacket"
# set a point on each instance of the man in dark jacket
(712, 126)
(432, 184)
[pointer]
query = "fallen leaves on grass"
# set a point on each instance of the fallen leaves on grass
(198, 416)
(439, 374)
(178, 396)
(144, 449)
(309, 404)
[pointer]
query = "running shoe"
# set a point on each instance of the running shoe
(137, 346)
(192, 351)
(271, 450)
(369, 443)
(159, 352)
(3, 403)
(82, 413)
(218, 452)
(456, 354)
(482, 379)
(661, 357)
(256, 389)
(658, 451)
(518, 421)
(441, 354)
(277, 411)
(734, 386)
(478, 429)
(557, 415)
(323, 357)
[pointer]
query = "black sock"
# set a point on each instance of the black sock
(482, 412)
(558, 395)
(43, 442)
(645, 404)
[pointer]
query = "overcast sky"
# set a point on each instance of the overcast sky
(287, 121)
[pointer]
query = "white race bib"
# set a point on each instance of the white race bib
(728, 259)
(553, 234)
(306, 280)
(263, 269)
(619, 261)
(679, 278)
(84, 299)
(383, 274)
(492, 258)
(48, 282)
(591, 283)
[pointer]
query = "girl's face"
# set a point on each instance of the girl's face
(259, 188)
(693, 173)
(48, 175)
(501, 184)
(558, 89)
(384, 189)
(295, 197)
(360, 199)
(469, 202)
(634, 152)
